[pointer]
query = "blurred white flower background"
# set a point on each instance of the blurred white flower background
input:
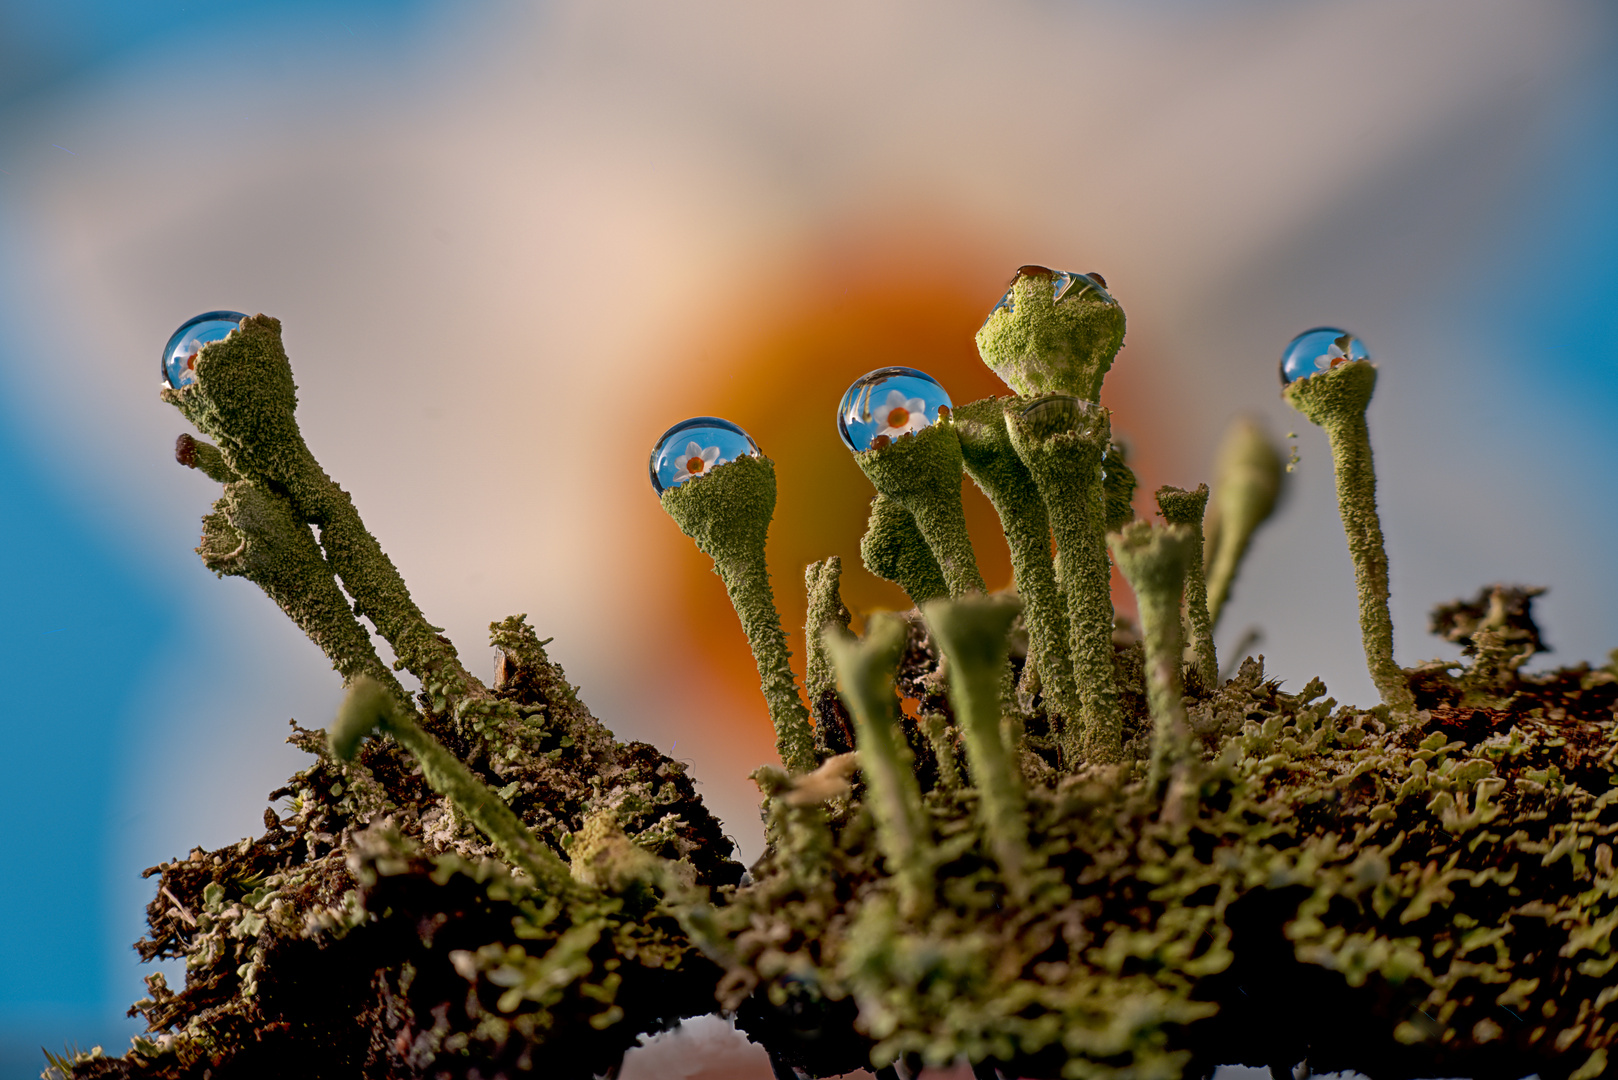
(512, 242)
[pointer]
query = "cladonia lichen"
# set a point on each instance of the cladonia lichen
(1088, 856)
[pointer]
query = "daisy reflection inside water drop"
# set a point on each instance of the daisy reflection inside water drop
(1318, 350)
(180, 354)
(887, 403)
(693, 448)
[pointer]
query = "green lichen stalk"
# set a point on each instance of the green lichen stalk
(993, 464)
(922, 473)
(865, 669)
(894, 550)
(972, 634)
(1155, 561)
(727, 513)
(1336, 400)
(369, 707)
(245, 399)
(1244, 496)
(1180, 507)
(1061, 439)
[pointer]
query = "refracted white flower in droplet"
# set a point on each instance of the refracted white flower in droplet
(696, 461)
(898, 415)
(1338, 352)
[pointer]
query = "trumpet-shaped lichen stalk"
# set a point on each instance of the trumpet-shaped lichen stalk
(1244, 495)
(1061, 440)
(1118, 485)
(922, 473)
(993, 464)
(865, 671)
(894, 550)
(368, 707)
(1155, 561)
(1336, 401)
(972, 633)
(727, 512)
(244, 398)
(1053, 332)
(1182, 507)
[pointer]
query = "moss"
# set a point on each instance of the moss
(921, 471)
(1041, 346)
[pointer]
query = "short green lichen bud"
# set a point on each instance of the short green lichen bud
(973, 634)
(1155, 561)
(1181, 507)
(1336, 400)
(727, 512)
(1061, 439)
(922, 473)
(204, 457)
(365, 708)
(894, 550)
(1248, 483)
(1053, 332)
(865, 671)
(994, 466)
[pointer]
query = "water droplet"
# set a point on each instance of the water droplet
(1059, 412)
(1317, 350)
(1065, 285)
(180, 354)
(887, 403)
(696, 447)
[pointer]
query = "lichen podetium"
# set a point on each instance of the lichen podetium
(1111, 875)
(1336, 400)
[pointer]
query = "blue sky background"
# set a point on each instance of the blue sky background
(437, 198)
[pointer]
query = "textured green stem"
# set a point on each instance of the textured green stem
(254, 534)
(1061, 440)
(1155, 560)
(368, 706)
(825, 609)
(992, 463)
(728, 514)
(244, 398)
(865, 669)
(894, 550)
(1336, 400)
(922, 473)
(1249, 481)
(1186, 508)
(972, 634)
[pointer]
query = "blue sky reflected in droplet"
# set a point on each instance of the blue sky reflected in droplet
(694, 448)
(889, 402)
(180, 354)
(1317, 350)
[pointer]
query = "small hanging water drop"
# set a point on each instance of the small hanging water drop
(1317, 350)
(693, 448)
(887, 403)
(180, 354)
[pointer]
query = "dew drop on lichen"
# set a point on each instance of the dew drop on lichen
(696, 447)
(887, 403)
(1317, 350)
(180, 354)
(1065, 286)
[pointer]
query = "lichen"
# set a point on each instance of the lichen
(1016, 833)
